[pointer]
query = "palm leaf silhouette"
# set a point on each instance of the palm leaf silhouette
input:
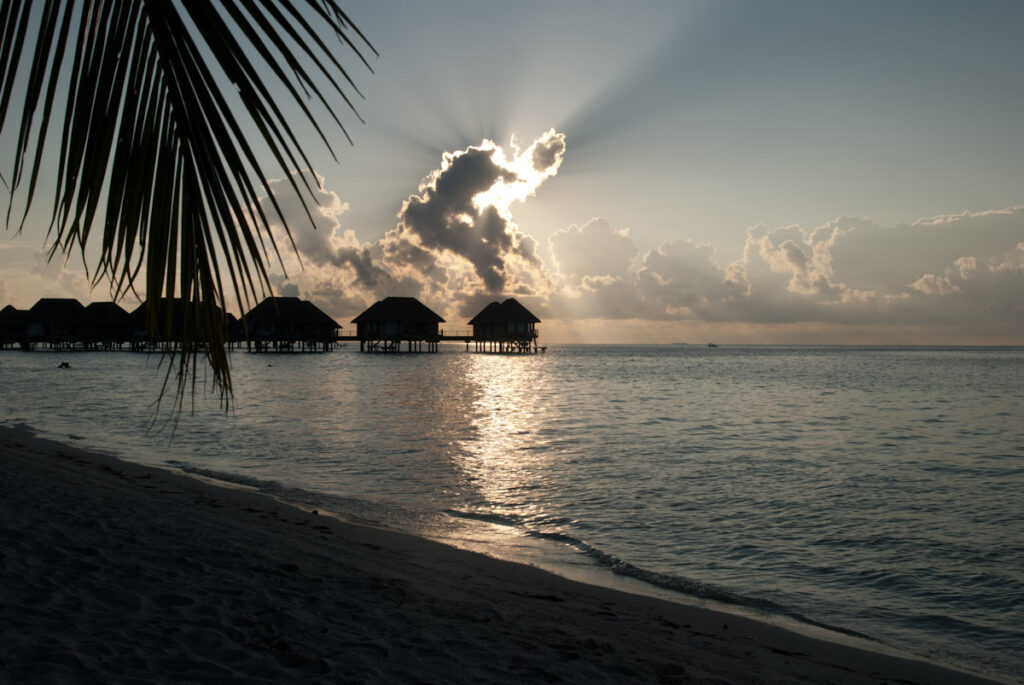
(156, 106)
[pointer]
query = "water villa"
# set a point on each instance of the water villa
(54, 321)
(105, 327)
(288, 324)
(394, 320)
(505, 327)
(12, 327)
(175, 318)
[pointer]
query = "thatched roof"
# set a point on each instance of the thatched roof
(57, 309)
(486, 315)
(289, 310)
(171, 319)
(12, 322)
(407, 309)
(105, 314)
(177, 308)
(9, 315)
(177, 312)
(509, 310)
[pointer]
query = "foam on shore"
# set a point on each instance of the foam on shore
(112, 571)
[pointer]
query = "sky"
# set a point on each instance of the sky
(728, 171)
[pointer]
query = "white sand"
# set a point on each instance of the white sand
(116, 572)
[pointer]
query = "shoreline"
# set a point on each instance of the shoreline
(114, 570)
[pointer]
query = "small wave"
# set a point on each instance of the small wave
(510, 520)
(487, 517)
(621, 567)
(233, 478)
(687, 586)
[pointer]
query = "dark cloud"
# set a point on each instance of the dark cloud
(368, 272)
(548, 151)
(336, 300)
(288, 290)
(444, 217)
(399, 252)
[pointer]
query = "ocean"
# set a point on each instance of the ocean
(874, 491)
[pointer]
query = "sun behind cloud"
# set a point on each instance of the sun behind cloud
(532, 166)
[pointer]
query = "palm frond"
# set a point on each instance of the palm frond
(160, 102)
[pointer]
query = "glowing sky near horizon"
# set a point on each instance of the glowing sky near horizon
(740, 171)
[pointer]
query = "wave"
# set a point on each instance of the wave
(232, 478)
(686, 586)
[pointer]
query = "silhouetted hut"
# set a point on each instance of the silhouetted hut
(285, 324)
(105, 326)
(505, 327)
(55, 322)
(172, 320)
(394, 320)
(12, 326)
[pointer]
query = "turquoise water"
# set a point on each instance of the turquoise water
(876, 491)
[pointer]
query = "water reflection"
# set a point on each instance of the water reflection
(505, 462)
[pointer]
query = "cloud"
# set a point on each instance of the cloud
(930, 284)
(871, 256)
(464, 208)
(789, 275)
(21, 285)
(594, 249)
(286, 289)
(58, 279)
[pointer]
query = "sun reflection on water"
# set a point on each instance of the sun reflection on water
(505, 458)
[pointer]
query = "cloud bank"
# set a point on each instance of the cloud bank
(455, 245)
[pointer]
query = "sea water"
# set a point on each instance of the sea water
(875, 491)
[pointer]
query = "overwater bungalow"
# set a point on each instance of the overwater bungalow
(55, 322)
(105, 326)
(505, 327)
(12, 327)
(288, 324)
(394, 320)
(170, 325)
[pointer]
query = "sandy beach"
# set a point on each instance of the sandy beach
(117, 572)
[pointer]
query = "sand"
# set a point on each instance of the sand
(116, 572)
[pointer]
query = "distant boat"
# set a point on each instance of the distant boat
(712, 345)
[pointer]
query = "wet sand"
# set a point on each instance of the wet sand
(116, 572)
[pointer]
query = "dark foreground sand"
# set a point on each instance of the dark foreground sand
(115, 572)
